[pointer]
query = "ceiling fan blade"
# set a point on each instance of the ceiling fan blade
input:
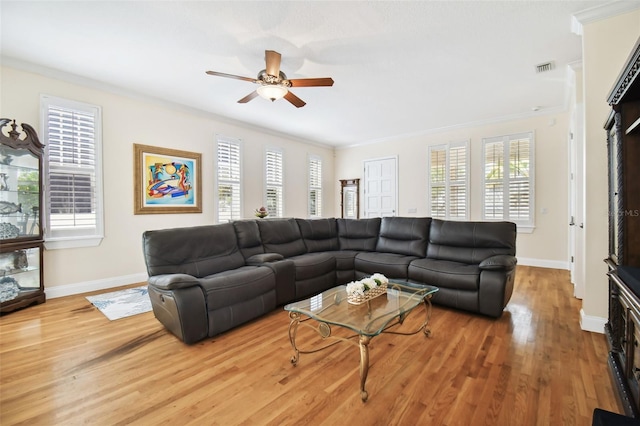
(248, 97)
(272, 58)
(237, 77)
(296, 101)
(310, 82)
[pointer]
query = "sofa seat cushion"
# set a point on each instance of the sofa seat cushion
(311, 265)
(445, 273)
(391, 265)
(237, 285)
(345, 266)
(345, 259)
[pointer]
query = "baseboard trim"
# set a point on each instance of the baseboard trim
(543, 263)
(89, 286)
(591, 323)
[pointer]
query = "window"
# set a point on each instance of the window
(274, 180)
(508, 179)
(229, 188)
(315, 186)
(449, 180)
(73, 173)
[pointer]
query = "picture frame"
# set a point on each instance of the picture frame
(166, 180)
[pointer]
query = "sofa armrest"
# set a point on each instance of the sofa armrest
(173, 281)
(259, 259)
(500, 262)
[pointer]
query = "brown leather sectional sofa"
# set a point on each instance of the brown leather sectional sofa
(208, 279)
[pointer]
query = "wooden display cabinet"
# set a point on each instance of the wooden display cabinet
(623, 145)
(21, 243)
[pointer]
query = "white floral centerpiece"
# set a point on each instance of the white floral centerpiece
(366, 289)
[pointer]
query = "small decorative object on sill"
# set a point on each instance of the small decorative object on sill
(366, 289)
(262, 212)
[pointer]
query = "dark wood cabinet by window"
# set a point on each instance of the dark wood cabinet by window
(623, 144)
(349, 198)
(21, 243)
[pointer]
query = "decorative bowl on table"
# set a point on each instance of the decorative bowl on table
(261, 212)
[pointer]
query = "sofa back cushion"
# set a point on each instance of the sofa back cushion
(281, 236)
(358, 234)
(319, 234)
(248, 234)
(198, 251)
(470, 242)
(404, 235)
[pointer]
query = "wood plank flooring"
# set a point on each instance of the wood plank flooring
(64, 363)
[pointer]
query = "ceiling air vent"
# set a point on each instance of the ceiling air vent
(547, 66)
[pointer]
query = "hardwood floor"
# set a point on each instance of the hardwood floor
(64, 363)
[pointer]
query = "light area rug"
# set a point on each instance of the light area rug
(122, 303)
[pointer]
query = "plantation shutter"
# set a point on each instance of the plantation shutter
(71, 168)
(519, 185)
(438, 173)
(315, 186)
(228, 180)
(493, 184)
(274, 179)
(458, 177)
(449, 180)
(508, 179)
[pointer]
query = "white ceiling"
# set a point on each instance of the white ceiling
(400, 68)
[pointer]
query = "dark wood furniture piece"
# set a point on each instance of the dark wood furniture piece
(21, 243)
(623, 143)
(349, 198)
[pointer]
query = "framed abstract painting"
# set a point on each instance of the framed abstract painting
(166, 180)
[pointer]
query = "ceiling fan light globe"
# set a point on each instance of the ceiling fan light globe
(272, 92)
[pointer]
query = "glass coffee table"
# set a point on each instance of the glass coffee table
(366, 320)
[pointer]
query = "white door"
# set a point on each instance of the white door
(380, 187)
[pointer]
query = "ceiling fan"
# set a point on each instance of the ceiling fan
(273, 83)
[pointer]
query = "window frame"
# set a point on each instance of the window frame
(523, 226)
(447, 184)
(75, 236)
(219, 180)
(279, 186)
(314, 187)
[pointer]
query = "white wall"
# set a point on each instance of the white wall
(126, 120)
(547, 245)
(606, 46)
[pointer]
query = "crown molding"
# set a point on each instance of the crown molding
(471, 124)
(603, 11)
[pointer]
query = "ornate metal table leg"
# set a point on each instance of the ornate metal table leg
(427, 307)
(293, 329)
(364, 365)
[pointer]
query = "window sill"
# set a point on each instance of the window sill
(67, 243)
(525, 229)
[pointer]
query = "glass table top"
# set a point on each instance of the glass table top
(369, 318)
